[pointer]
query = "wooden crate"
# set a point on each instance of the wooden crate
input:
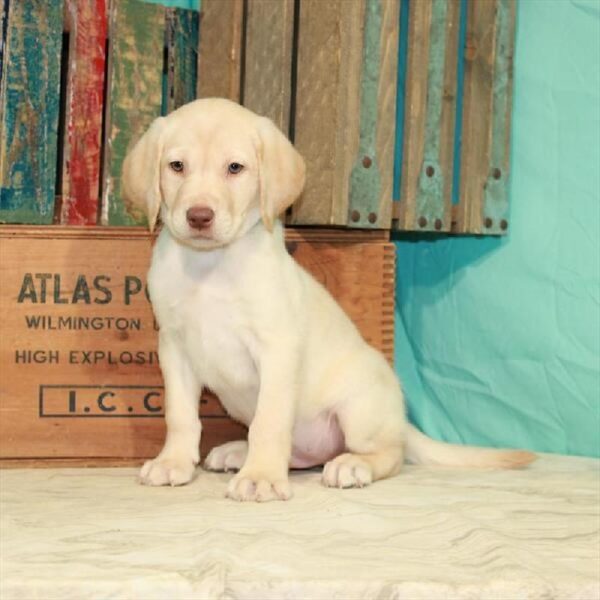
(80, 378)
(348, 80)
(400, 108)
(453, 117)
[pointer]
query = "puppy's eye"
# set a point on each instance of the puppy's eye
(235, 168)
(176, 165)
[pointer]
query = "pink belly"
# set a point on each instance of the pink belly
(316, 442)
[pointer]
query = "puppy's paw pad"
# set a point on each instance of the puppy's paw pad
(347, 471)
(248, 488)
(167, 471)
(228, 457)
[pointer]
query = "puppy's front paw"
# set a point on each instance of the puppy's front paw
(167, 471)
(257, 487)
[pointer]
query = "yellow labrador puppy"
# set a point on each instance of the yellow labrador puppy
(238, 315)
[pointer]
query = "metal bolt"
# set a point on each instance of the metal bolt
(422, 222)
(355, 216)
(367, 162)
(372, 217)
(438, 224)
(430, 171)
(504, 224)
(496, 173)
(488, 222)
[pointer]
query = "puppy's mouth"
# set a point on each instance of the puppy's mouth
(202, 240)
(203, 234)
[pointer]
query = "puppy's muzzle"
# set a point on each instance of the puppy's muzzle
(200, 217)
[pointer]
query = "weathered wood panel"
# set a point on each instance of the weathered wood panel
(330, 49)
(427, 170)
(220, 56)
(29, 107)
(134, 98)
(483, 203)
(3, 30)
(182, 47)
(80, 370)
(371, 179)
(496, 202)
(87, 24)
(268, 59)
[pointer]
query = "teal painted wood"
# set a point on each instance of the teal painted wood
(460, 80)
(182, 41)
(134, 95)
(400, 99)
(495, 201)
(365, 177)
(3, 26)
(430, 197)
(29, 109)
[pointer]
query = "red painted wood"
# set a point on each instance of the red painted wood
(87, 21)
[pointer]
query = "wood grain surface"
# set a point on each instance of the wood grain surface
(485, 154)
(268, 60)
(135, 92)
(88, 29)
(330, 48)
(81, 377)
(29, 107)
(182, 48)
(220, 56)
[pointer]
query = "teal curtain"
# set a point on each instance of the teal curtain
(498, 340)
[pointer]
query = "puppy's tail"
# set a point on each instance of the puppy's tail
(422, 450)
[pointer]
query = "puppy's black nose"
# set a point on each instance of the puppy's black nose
(200, 217)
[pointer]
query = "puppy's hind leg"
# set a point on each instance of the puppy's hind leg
(227, 457)
(373, 426)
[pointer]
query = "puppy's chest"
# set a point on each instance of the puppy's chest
(217, 338)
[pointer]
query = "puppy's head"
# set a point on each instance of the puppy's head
(212, 169)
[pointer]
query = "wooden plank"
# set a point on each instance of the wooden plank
(3, 31)
(496, 208)
(371, 179)
(220, 56)
(134, 98)
(292, 234)
(427, 175)
(29, 107)
(483, 205)
(330, 49)
(268, 59)
(56, 374)
(419, 20)
(87, 24)
(182, 47)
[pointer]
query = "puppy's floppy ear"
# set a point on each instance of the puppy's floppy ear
(140, 181)
(281, 172)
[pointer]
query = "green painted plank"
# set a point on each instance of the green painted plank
(29, 108)
(182, 44)
(430, 197)
(3, 28)
(427, 170)
(137, 36)
(495, 202)
(365, 177)
(371, 177)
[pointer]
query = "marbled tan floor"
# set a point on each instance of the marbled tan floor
(426, 534)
